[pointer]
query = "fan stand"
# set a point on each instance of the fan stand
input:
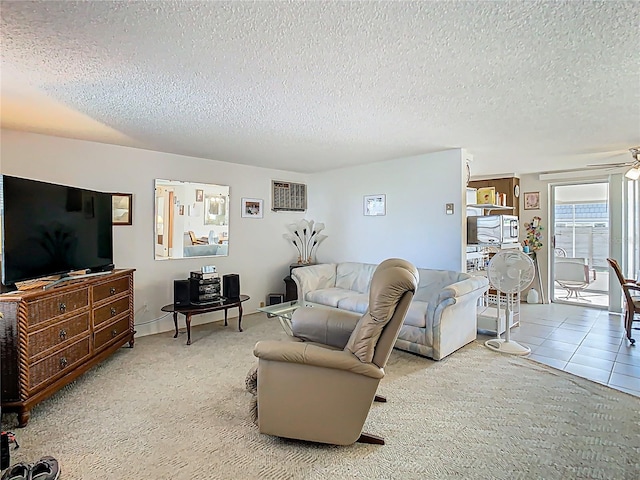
(506, 345)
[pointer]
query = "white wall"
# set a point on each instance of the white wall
(257, 250)
(415, 226)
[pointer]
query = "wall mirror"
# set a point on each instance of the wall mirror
(191, 220)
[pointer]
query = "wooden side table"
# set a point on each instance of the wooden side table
(191, 310)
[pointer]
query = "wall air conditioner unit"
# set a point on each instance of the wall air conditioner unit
(288, 196)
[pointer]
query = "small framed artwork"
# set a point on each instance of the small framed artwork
(252, 207)
(532, 200)
(375, 205)
(486, 196)
(122, 208)
(199, 195)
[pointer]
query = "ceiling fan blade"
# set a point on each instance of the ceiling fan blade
(624, 157)
(613, 165)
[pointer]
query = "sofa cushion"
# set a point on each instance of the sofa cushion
(417, 314)
(433, 281)
(354, 276)
(328, 296)
(356, 302)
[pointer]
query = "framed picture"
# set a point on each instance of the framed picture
(486, 196)
(532, 200)
(199, 195)
(252, 207)
(122, 208)
(375, 205)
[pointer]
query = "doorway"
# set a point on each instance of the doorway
(581, 231)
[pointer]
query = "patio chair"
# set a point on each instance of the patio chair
(573, 274)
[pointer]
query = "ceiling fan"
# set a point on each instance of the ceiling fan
(634, 172)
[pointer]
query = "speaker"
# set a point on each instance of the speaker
(275, 298)
(181, 293)
(231, 285)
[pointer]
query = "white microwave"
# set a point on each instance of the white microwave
(492, 229)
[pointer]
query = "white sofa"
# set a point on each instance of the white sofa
(441, 318)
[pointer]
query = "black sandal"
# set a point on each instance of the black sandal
(46, 468)
(20, 471)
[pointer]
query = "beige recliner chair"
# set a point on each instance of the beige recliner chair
(317, 392)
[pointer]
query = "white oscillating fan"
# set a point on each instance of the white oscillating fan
(510, 272)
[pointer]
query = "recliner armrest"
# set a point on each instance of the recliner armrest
(310, 354)
(324, 325)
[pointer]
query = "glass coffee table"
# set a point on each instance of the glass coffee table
(284, 312)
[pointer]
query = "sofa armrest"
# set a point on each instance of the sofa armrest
(310, 354)
(468, 290)
(314, 277)
(464, 287)
(455, 316)
(329, 326)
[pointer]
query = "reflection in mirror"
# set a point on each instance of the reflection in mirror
(191, 220)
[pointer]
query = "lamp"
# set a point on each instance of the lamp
(305, 236)
(633, 173)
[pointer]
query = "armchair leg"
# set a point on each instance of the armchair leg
(380, 398)
(369, 438)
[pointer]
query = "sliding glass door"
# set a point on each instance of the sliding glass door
(580, 232)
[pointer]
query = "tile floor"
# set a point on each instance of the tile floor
(587, 342)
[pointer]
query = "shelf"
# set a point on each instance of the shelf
(489, 207)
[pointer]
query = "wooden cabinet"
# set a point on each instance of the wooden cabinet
(507, 185)
(50, 337)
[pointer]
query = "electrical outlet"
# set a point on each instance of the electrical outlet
(261, 304)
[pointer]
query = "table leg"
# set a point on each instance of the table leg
(240, 317)
(175, 322)
(225, 316)
(187, 318)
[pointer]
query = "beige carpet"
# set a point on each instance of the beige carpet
(167, 411)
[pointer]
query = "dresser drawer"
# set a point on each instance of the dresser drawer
(110, 311)
(59, 362)
(110, 289)
(40, 311)
(57, 334)
(104, 336)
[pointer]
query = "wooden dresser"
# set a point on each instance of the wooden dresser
(50, 337)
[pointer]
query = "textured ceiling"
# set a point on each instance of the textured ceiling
(312, 86)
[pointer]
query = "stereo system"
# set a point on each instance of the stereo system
(203, 288)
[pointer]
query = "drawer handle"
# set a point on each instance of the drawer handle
(63, 362)
(63, 334)
(114, 333)
(112, 290)
(63, 307)
(113, 311)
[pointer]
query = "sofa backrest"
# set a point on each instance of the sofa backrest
(433, 281)
(354, 276)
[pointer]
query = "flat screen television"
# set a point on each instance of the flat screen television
(50, 229)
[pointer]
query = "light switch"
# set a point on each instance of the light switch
(449, 208)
